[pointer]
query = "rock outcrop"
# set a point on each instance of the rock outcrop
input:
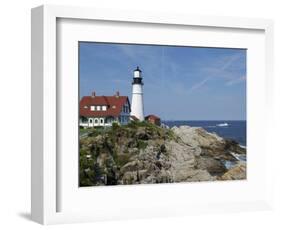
(142, 153)
(238, 172)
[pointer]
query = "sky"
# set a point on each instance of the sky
(180, 83)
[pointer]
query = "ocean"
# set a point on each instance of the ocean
(235, 130)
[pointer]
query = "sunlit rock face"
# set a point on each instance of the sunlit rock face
(142, 153)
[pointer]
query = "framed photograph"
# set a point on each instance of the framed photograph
(141, 114)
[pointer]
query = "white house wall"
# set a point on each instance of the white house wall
(123, 119)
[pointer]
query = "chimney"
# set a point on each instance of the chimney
(93, 94)
(117, 94)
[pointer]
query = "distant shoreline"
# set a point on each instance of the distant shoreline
(228, 129)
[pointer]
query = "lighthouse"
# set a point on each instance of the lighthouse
(137, 95)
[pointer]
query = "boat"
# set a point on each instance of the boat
(223, 124)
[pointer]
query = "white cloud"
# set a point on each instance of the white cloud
(236, 81)
(199, 84)
(230, 60)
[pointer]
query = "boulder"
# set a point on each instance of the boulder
(213, 166)
(196, 136)
(238, 172)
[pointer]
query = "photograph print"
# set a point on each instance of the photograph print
(152, 114)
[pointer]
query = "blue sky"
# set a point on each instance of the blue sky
(180, 83)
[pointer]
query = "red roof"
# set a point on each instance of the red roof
(152, 116)
(114, 105)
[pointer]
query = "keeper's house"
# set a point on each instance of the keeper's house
(104, 110)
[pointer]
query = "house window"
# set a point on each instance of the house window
(96, 121)
(83, 120)
(93, 108)
(101, 121)
(104, 107)
(98, 108)
(90, 120)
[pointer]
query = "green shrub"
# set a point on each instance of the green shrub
(122, 160)
(141, 144)
(115, 126)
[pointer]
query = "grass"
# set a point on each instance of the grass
(141, 144)
(82, 130)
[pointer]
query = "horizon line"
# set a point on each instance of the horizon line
(207, 120)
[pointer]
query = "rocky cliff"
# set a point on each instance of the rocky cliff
(142, 153)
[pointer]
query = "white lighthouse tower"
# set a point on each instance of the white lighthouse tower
(137, 95)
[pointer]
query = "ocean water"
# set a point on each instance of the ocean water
(235, 130)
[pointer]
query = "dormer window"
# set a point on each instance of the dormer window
(114, 107)
(97, 107)
(85, 107)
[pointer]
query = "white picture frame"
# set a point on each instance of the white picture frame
(46, 182)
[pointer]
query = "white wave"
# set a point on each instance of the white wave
(238, 156)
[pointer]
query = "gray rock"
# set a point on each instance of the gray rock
(180, 154)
